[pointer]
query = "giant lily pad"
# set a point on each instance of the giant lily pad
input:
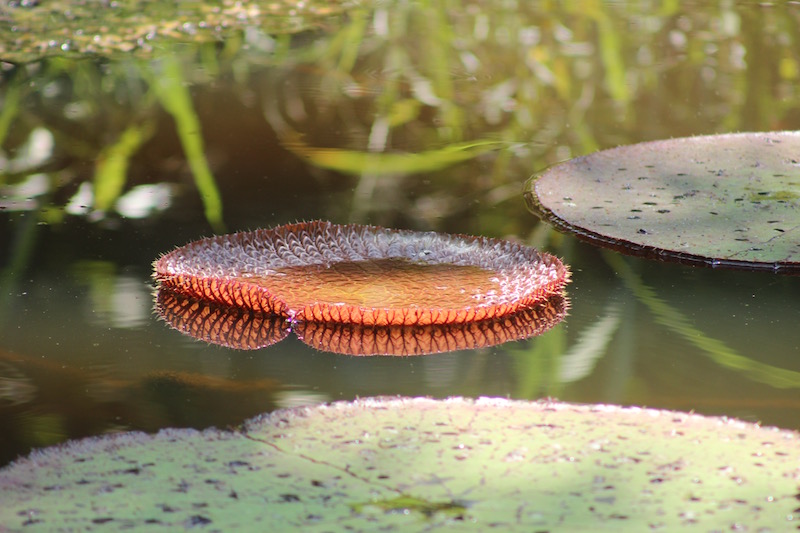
(721, 200)
(244, 329)
(323, 272)
(31, 30)
(414, 464)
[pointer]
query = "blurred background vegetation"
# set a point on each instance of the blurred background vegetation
(385, 101)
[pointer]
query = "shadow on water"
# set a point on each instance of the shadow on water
(418, 115)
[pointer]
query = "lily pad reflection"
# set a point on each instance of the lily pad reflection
(249, 330)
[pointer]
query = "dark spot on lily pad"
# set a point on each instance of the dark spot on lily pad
(197, 520)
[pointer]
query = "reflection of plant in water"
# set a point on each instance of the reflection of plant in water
(537, 362)
(243, 329)
(10, 107)
(679, 323)
(111, 169)
(546, 364)
(83, 123)
(79, 123)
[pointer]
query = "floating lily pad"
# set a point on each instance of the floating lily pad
(31, 30)
(722, 200)
(413, 464)
(244, 329)
(323, 272)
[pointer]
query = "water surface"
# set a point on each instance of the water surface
(427, 116)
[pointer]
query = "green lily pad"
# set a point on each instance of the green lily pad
(729, 201)
(30, 31)
(413, 464)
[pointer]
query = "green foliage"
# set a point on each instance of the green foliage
(389, 164)
(112, 164)
(143, 27)
(170, 87)
(550, 81)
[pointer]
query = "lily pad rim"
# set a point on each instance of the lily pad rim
(626, 247)
(280, 417)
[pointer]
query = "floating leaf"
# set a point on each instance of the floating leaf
(728, 201)
(243, 329)
(421, 464)
(323, 272)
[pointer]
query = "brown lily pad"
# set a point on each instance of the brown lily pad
(729, 201)
(244, 329)
(354, 274)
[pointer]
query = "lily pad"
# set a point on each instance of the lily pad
(730, 201)
(31, 30)
(413, 464)
(243, 329)
(324, 272)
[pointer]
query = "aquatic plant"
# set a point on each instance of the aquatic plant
(725, 201)
(324, 272)
(244, 329)
(30, 30)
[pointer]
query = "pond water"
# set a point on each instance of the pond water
(421, 115)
